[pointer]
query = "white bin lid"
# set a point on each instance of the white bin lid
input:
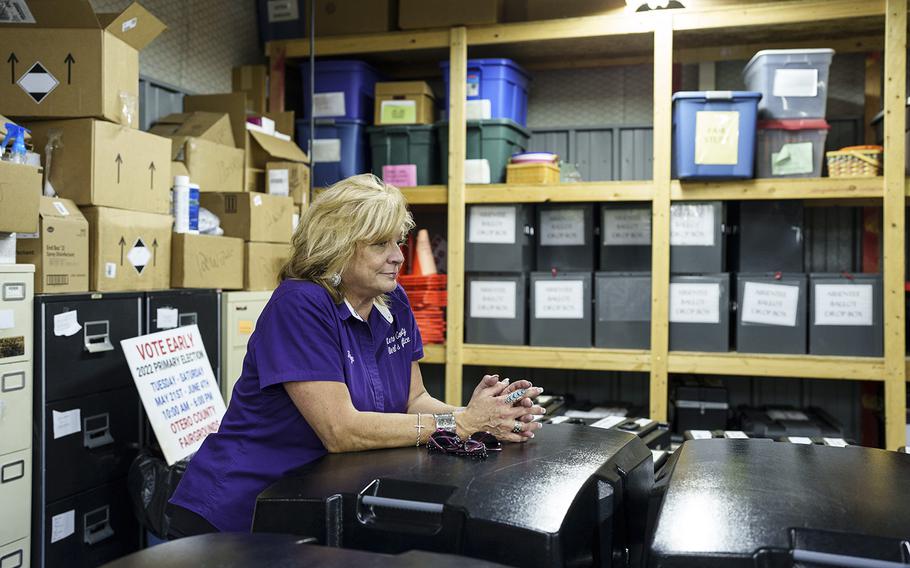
(770, 52)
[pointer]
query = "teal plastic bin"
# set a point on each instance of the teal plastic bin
(494, 140)
(406, 144)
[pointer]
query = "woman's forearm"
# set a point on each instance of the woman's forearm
(426, 404)
(375, 430)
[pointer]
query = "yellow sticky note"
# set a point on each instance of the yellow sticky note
(245, 327)
(716, 138)
(398, 112)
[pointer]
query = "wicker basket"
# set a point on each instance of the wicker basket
(855, 161)
(532, 173)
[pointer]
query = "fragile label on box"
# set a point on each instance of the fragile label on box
(694, 303)
(626, 227)
(559, 227)
(716, 138)
(692, 225)
(771, 304)
(559, 299)
(492, 225)
(795, 83)
(328, 104)
(843, 304)
(398, 112)
(493, 300)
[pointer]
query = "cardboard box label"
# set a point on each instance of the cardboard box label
(110, 270)
(492, 225)
(37, 82)
(493, 300)
(398, 112)
(771, 304)
(692, 225)
(716, 138)
(795, 83)
(15, 12)
(327, 105)
(562, 227)
(61, 208)
(139, 255)
(279, 183)
(694, 303)
(627, 227)
(559, 299)
(843, 304)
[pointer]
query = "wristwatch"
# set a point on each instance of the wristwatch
(445, 422)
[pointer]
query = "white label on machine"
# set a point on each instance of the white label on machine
(609, 422)
(735, 435)
(771, 304)
(66, 324)
(626, 227)
(800, 440)
(716, 138)
(328, 104)
(836, 442)
(66, 423)
(326, 150)
(15, 12)
(282, 11)
(279, 183)
(701, 434)
(559, 227)
(795, 83)
(7, 319)
(63, 525)
(478, 109)
(167, 318)
(694, 303)
(843, 304)
(493, 300)
(794, 415)
(692, 224)
(492, 224)
(559, 299)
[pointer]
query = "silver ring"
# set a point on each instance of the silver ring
(517, 427)
(515, 395)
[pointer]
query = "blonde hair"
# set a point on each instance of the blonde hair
(358, 210)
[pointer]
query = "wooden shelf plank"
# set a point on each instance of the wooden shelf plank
(773, 14)
(556, 357)
(426, 194)
(365, 43)
(434, 353)
(560, 193)
(791, 188)
(795, 366)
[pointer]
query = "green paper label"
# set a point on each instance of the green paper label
(792, 159)
(398, 112)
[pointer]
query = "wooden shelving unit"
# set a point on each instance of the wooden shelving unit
(661, 38)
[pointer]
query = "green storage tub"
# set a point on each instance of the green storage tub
(406, 144)
(494, 140)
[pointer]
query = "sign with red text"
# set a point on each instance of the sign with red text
(177, 388)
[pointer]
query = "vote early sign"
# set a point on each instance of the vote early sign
(177, 388)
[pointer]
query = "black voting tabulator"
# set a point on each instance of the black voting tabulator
(571, 496)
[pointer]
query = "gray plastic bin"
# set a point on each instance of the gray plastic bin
(697, 237)
(560, 309)
(771, 313)
(770, 236)
(790, 148)
(793, 82)
(496, 309)
(625, 237)
(565, 237)
(845, 316)
(700, 313)
(499, 238)
(623, 310)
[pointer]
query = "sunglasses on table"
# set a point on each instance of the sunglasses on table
(476, 446)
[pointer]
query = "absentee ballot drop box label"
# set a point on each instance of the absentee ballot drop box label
(177, 388)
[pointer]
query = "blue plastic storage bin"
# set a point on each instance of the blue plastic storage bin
(341, 149)
(501, 81)
(714, 134)
(344, 89)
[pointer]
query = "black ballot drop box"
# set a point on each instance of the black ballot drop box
(565, 237)
(755, 503)
(572, 496)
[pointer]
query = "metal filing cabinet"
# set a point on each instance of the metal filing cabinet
(770, 236)
(560, 309)
(496, 309)
(700, 313)
(239, 312)
(200, 307)
(771, 314)
(625, 242)
(16, 341)
(565, 237)
(623, 307)
(697, 237)
(87, 426)
(845, 315)
(499, 238)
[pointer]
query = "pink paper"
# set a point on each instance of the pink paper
(402, 175)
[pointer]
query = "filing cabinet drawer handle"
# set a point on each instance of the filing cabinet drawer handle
(14, 292)
(12, 471)
(97, 525)
(13, 560)
(189, 318)
(96, 431)
(97, 336)
(12, 382)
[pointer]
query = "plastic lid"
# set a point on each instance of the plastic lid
(794, 124)
(716, 95)
(181, 180)
(492, 61)
(770, 52)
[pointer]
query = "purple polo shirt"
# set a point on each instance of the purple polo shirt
(302, 335)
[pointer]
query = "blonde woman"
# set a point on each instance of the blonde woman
(332, 366)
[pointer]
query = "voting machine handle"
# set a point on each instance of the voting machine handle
(408, 507)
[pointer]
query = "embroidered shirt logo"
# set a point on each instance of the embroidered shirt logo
(350, 357)
(397, 341)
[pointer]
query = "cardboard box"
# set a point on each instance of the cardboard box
(59, 249)
(20, 190)
(260, 148)
(262, 264)
(129, 250)
(288, 178)
(206, 261)
(252, 80)
(70, 62)
(404, 102)
(204, 143)
(252, 216)
(418, 14)
(103, 164)
(549, 10)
